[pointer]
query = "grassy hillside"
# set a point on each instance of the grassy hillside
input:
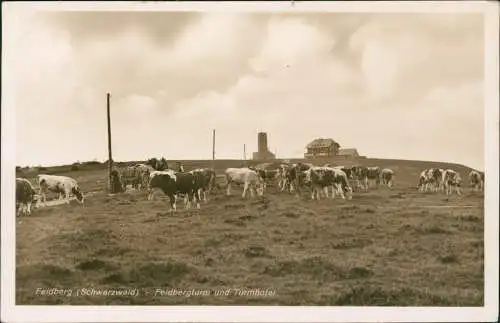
(394, 247)
(408, 169)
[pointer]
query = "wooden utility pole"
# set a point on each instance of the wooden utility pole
(213, 149)
(244, 152)
(110, 155)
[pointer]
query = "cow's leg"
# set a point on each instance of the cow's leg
(333, 191)
(198, 199)
(20, 208)
(325, 189)
(245, 188)
(340, 191)
(173, 202)
(187, 200)
(228, 189)
(459, 193)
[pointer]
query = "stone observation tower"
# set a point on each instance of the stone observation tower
(263, 150)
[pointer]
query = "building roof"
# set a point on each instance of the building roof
(321, 142)
(348, 152)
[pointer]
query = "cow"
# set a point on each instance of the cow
(151, 176)
(174, 183)
(360, 176)
(266, 175)
(204, 181)
(281, 176)
(295, 176)
(25, 196)
(451, 180)
(347, 170)
(250, 178)
(373, 175)
(387, 176)
(476, 179)
(63, 185)
(320, 178)
(431, 179)
(136, 175)
(158, 164)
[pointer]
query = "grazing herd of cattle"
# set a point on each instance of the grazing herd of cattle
(196, 185)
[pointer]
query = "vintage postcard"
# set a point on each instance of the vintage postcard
(249, 161)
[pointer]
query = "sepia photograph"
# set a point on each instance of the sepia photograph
(240, 155)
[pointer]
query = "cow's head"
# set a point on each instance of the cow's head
(152, 162)
(35, 200)
(437, 172)
(348, 192)
(308, 174)
(78, 194)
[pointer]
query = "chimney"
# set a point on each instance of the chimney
(262, 142)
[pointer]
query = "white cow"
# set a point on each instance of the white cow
(59, 184)
(451, 180)
(387, 176)
(246, 176)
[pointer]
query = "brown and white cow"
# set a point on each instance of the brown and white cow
(321, 178)
(204, 181)
(25, 196)
(373, 175)
(476, 179)
(266, 174)
(174, 183)
(431, 179)
(63, 185)
(360, 176)
(295, 176)
(281, 176)
(451, 180)
(246, 176)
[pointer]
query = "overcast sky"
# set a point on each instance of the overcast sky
(406, 86)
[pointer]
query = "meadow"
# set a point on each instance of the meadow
(385, 247)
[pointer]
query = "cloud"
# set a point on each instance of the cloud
(387, 85)
(430, 50)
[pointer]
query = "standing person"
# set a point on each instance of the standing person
(181, 167)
